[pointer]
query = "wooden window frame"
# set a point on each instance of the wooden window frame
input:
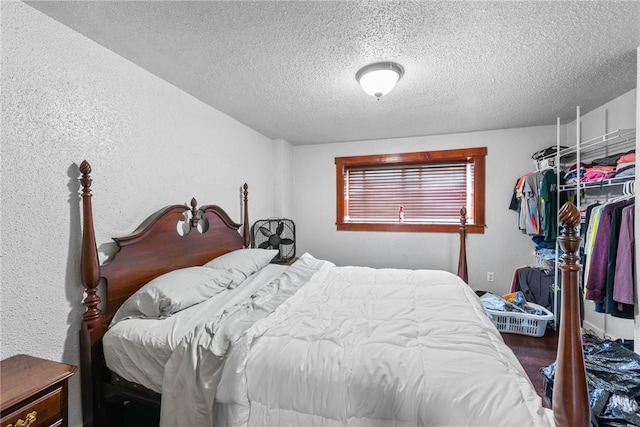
(475, 155)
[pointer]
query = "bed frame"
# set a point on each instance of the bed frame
(156, 247)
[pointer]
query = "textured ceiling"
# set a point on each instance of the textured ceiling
(287, 68)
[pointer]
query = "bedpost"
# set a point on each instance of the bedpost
(90, 265)
(245, 222)
(570, 392)
(92, 327)
(462, 257)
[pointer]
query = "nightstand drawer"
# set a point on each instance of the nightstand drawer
(45, 411)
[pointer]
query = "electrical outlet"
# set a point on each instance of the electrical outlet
(490, 277)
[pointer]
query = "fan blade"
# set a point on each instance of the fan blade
(286, 241)
(264, 245)
(280, 228)
(265, 231)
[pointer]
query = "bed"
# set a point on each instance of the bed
(212, 332)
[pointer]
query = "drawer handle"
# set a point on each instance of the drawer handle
(31, 417)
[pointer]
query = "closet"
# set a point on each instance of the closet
(598, 175)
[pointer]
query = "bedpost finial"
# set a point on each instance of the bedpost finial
(569, 240)
(85, 180)
(569, 215)
(85, 167)
(194, 213)
(463, 215)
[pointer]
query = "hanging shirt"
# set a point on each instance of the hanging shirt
(590, 239)
(521, 202)
(624, 283)
(549, 198)
(531, 193)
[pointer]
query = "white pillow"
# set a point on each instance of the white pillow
(174, 291)
(242, 263)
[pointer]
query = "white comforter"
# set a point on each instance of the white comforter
(353, 347)
(365, 347)
(195, 366)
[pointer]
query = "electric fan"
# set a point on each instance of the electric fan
(275, 233)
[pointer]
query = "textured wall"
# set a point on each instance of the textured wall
(65, 99)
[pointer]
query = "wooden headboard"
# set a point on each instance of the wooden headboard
(157, 248)
(154, 248)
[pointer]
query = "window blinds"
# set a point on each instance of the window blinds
(428, 193)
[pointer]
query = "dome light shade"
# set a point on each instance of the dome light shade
(379, 78)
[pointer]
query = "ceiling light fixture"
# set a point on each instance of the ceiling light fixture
(378, 79)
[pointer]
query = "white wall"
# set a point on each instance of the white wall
(620, 113)
(500, 249)
(65, 99)
(282, 174)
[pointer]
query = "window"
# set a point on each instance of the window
(421, 191)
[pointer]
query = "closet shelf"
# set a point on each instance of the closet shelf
(603, 183)
(617, 137)
(611, 139)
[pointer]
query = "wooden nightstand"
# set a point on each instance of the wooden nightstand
(33, 392)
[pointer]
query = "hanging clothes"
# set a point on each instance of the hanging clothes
(623, 291)
(531, 193)
(597, 277)
(519, 203)
(549, 199)
(535, 198)
(610, 306)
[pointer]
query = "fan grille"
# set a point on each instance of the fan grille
(275, 233)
